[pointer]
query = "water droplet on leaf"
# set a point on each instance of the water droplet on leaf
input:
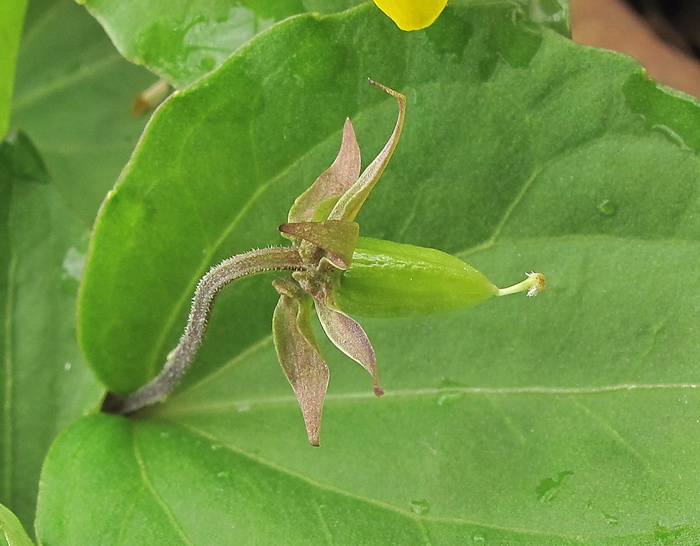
(549, 487)
(607, 207)
(612, 520)
(669, 534)
(207, 63)
(420, 507)
(448, 398)
(450, 384)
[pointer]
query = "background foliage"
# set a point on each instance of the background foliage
(565, 418)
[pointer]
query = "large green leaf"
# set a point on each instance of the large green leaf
(73, 97)
(11, 18)
(182, 40)
(571, 416)
(44, 383)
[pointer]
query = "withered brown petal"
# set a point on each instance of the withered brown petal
(352, 200)
(300, 358)
(332, 183)
(350, 338)
(337, 238)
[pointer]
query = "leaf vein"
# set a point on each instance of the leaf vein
(324, 523)
(43, 20)
(517, 433)
(582, 237)
(228, 405)
(152, 490)
(65, 81)
(612, 431)
(9, 383)
(346, 494)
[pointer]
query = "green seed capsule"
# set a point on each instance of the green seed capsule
(389, 279)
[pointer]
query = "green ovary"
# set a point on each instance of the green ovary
(389, 279)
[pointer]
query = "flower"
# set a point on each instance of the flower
(321, 227)
(334, 271)
(412, 14)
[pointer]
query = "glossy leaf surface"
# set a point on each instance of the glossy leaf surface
(44, 383)
(73, 97)
(570, 416)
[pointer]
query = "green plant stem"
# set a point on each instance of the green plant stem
(180, 359)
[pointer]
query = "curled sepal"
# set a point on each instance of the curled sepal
(352, 200)
(337, 239)
(316, 202)
(350, 338)
(298, 354)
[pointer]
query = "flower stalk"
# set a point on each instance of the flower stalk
(181, 357)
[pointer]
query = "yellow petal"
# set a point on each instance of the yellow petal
(412, 14)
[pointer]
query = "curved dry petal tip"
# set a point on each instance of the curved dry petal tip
(349, 204)
(332, 183)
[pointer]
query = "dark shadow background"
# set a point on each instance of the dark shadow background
(663, 35)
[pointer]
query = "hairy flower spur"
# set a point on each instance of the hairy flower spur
(338, 273)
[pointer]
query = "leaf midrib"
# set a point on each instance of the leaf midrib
(169, 411)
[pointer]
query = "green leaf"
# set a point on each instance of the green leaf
(11, 18)
(11, 531)
(44, 383)
(73, 97)
(552, 13)
(523, 421)
(182, 40)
